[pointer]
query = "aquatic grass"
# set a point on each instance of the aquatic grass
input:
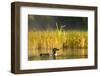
(44, 41)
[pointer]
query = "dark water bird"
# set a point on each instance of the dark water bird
(53, 53)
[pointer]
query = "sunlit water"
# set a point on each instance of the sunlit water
(64, 54)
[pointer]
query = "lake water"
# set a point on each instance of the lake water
(62, 54)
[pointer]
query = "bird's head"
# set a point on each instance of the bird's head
(55, 49)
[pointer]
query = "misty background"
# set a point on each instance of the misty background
(41, 22)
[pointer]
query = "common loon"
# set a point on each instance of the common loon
(53, 53)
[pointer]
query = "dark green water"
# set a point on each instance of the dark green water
(65, 54)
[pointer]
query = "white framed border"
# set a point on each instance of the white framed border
(25, 64)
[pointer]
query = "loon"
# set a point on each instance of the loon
(53, 53)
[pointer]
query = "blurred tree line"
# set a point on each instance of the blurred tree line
(41, 22)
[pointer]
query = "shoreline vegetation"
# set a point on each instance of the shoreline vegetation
(47, 40)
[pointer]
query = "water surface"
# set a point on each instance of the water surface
(61, 54)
